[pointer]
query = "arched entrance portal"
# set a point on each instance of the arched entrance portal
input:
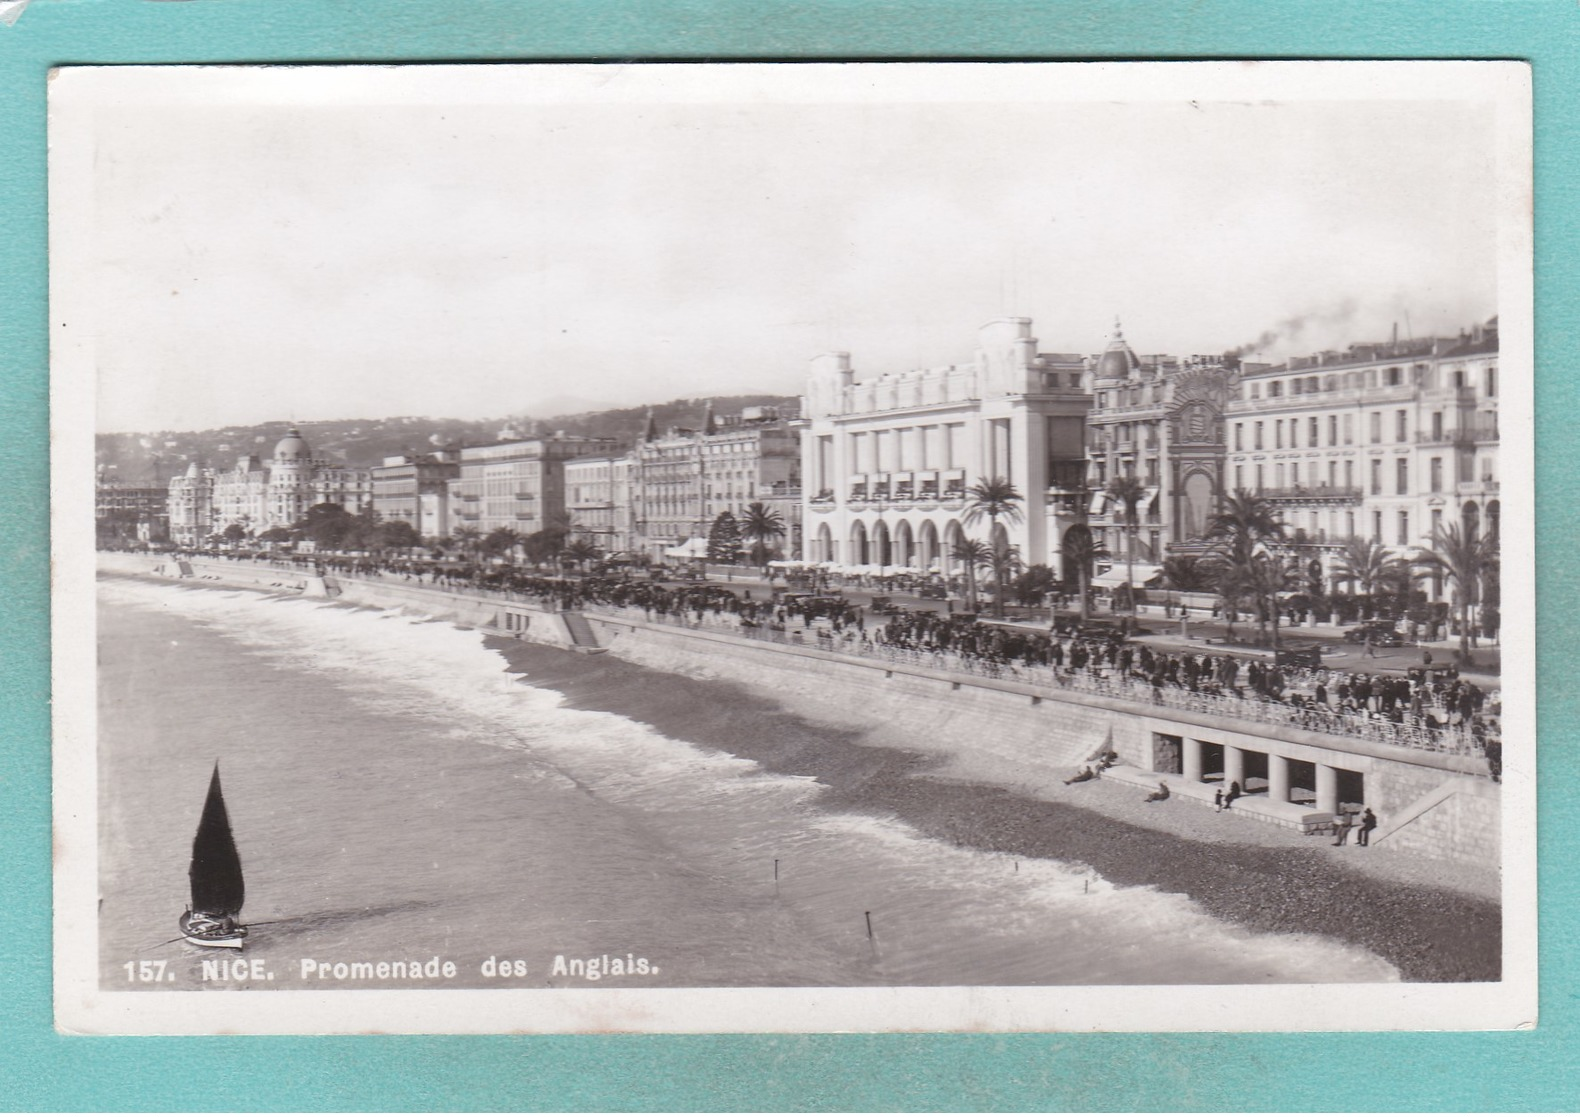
(823, 550)
(953, 537)
(929, 556)
(1195, 506)
(858, 544)
(1471, 518)
(904, 544)
(883, 551)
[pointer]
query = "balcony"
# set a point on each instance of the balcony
(1319, 494)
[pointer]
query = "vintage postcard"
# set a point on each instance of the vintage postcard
(797, 547)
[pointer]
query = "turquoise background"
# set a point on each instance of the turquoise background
(40, 1070)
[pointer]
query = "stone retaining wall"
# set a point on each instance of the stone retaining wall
(1014, 735)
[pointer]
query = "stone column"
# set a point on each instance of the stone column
(1327, 788)
(1190, 760)
(1277, 778)
(1233, 766)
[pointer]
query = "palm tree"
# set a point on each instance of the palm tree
(1271, 575)
(581, 552)
(1243, 529)
(1363, 563)
(761, 524)
(972, 553)
(995, 498)
(466, 538)
(1127, 492)
(1082, 550)
(502, 541)
(1465, 559)
(1185, 573)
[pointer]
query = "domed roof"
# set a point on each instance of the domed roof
(1119, 361)
(292, 448)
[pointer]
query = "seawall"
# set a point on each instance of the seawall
(1015, 735)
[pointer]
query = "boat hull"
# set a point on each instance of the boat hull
(206, 930)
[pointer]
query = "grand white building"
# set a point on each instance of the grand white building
(257, 495)
(1383, 441)
(887, 460)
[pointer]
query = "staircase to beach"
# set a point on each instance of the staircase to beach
(581, 633)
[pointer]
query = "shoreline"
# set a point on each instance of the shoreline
(1262, 879)
(1265, 881)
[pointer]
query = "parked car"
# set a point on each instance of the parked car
(1310, 656)
(936, 593)
(1381, 633)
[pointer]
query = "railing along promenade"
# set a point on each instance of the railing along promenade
(1108, 683)
(1103, 682)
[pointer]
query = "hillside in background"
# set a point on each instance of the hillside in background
(151, 458)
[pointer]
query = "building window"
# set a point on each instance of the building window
(1437, 523)
(1349, 430)
(1491, 379)
(1436, 475)
(1437, 425)
(1278, 435)
(1402, 476)
(1376, 426)
(1404, 529)
(1376, 527)
(1239, 478)
(1256, 391)
(1294, 475)
(1313, 431)
(1400, 422)
(1258, 478)
(1376, 476)
(1278, 475)
(1275, 389)
(1393, 377)
(1239, 436)
(1333, 474)
(1333, 431)
(1349, 525)
(1258, 433)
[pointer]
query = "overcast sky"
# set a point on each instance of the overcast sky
(269, 246)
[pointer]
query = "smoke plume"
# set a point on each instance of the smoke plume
(1290, 329)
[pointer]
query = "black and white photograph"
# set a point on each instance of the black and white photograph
(793, 547)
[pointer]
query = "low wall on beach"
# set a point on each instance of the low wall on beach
(1014, 734)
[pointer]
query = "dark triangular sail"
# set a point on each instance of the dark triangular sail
(217, 887)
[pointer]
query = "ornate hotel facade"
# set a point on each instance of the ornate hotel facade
(1383, 441)
(257, 495)
(886, 461)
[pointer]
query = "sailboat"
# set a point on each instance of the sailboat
(217, 887)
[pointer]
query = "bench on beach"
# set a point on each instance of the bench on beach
(1290, 816)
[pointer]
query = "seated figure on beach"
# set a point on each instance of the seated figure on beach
(1082, 776)
(1159, 795)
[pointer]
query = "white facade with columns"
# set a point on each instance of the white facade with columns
(887, 461)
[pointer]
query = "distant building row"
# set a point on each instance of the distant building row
(1387, 441)
(660, 496)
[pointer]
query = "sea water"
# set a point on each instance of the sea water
(398, 795)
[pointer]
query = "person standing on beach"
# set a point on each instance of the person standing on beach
(1368, 824)
(1217, 800)
(1342, 826)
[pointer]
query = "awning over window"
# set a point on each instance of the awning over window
(1099, 500)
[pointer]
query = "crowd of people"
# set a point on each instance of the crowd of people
(1409, 709)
